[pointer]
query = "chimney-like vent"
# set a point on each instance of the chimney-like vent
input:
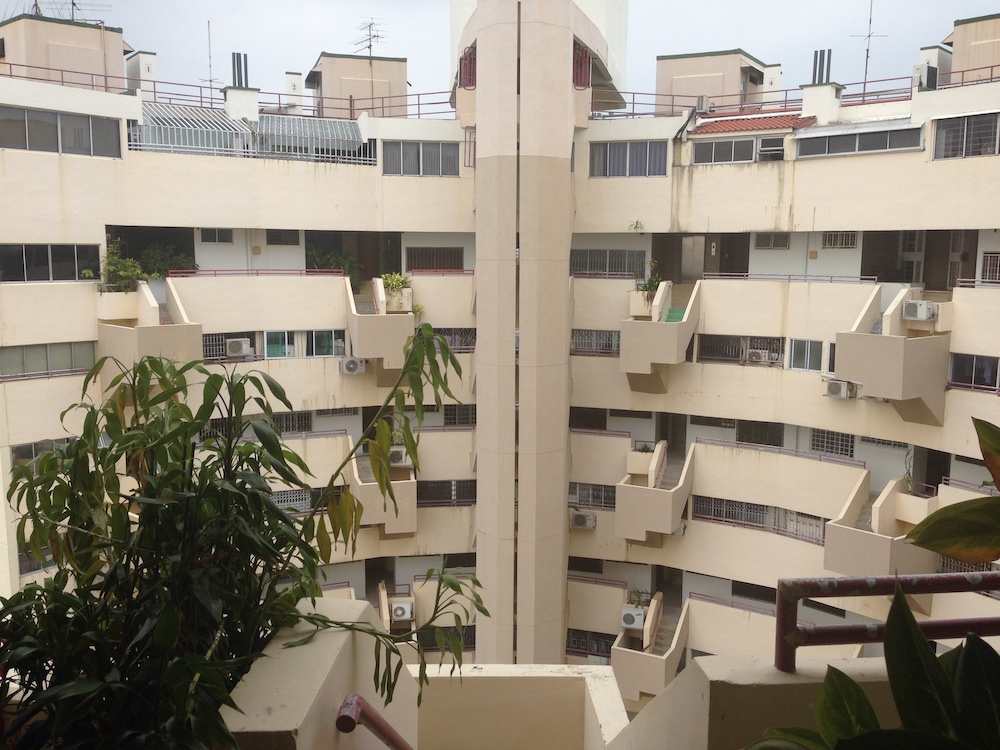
(821, 65)
(241, 78)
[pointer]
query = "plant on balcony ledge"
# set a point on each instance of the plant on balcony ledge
(172, 568)
(120, 274)
(398, 295)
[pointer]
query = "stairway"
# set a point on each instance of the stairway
(665, 631)
(165, 319)
(675, 315)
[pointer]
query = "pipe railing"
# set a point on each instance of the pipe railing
(789, 636)
(356, 710)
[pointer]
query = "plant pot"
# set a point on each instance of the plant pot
(637, 462)
(399, 300)
(117, 305)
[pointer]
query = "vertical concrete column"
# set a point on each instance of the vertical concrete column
(547, 116)
(496, 292)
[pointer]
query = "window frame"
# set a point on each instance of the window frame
(282, 237)
(616, 158)
(850, 144)
(448, 153)
(812, 356)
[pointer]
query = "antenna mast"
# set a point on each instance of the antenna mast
(372, 35)
(868, 43)
(210, 80)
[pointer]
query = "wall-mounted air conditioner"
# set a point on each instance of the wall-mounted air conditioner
(401, 611)
(701, 106)
(633, 618)
(925, 77)
(238, 348)
(841, 389)
(758, 355)
(399, 457)
(353, 365)
(919, 309)
(582, 519)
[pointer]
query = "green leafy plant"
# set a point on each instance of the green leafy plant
(173, 567)
(951, 702)
(393, 282)
(644, 447)
(317, 257)
(120, 274)
(639, 598)
(159, 258)
(650, 284)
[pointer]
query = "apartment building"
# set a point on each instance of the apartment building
(794, 393)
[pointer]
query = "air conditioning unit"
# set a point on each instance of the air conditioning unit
(840, 389)
(401, 612)
(919, 309)
(633, 618)
(582, 519)
(758, 355)
(353, 365)
(238, 348)
(399, 457)
(701, 107)
(925, 77)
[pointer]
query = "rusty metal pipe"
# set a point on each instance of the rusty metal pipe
(356, 710)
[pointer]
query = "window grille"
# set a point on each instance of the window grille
(713, 421)
(581, 66)
(841, 240)
(781, 521)
(216, 428)
(459, 414)
(347, 411)
(991, 267)
(449, 258)
(834, 443)
(617, 262)
(744, 350)
(293, 421)
(467, 69)
(459, 339)
(595, 343)
(297, 500)
(884, 443)
(589, 643)
(760, 433)
(583, 495)
(951, 565)
(213, 345)
(446, 492)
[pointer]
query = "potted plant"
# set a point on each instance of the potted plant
(641, 300)
(120, 279)
(398, 295)
(639, 458)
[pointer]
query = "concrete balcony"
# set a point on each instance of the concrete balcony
(906, 363)
(379, 510)
(645, 507)
(646, 344)
(644, 671)
(381, 335)
(595, 604)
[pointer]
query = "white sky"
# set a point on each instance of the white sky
(288, 35)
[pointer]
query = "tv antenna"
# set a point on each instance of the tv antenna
(210, 80)
(868, 42)
(72, 7)
(372, 34)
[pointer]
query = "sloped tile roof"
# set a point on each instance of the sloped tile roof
(741, 124)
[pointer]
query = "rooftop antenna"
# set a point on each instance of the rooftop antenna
(371, 35)
(868, 43)
(210, 80)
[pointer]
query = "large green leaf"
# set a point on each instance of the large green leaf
(968, 531)
(989, 444)
(977, 692)
(920, 688)
(842, 708)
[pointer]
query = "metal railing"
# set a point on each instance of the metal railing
(793, 277)
(985, 489)
(878, 91)
(789, 636)
(793, 452)
(968, 77)
(976, 283)
(214, 273)
(598, 581)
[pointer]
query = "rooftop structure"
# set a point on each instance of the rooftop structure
(788, 400)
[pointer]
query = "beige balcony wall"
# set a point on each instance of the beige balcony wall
(322, 455)
(47, 313)
(817, 487)
(445, 455)
(22, 421)
(600, 303)
(595, 606)
(974, 324)
(640, 511)
(597, 459)
(448, 299)
(381, 337)
(645, 343)
(859, 552)
(644, 673)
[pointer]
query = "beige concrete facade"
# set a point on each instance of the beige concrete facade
(804, 375)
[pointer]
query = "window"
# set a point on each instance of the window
(991, 267)
(57, 132)
(583, 495)
(26, 453)
(741, 350)
(436, 258)
(428, 159)
(331, 343)
(973, 371)
(723, 152)
(446, 492)
(771, 149)
(587, 643)
(459, 339)
(297, 500)
(282, 237)
(771, 240)
(630, 263)
(628, 159)
(459, 414)
(213, 345)
(467, 69)
(344, 411)
(279, 344)
(293, 421)
(840, 240)
(958, 137)
(49, 262)
(833, 357)
(712, 421)
(3, 49)
(884, 443)
(225, 236)
(754, 591)
(760, 433)
(834, 443)
(807, 355)
(855, 143)
(595, 343)
(39, 360)
(626, 414)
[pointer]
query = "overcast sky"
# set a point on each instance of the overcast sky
(288, 35)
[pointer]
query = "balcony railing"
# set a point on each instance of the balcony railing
(793, 277)
(811, 455)
(208, 272)
(985, 489)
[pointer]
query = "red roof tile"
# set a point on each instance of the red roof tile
(740, 124)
